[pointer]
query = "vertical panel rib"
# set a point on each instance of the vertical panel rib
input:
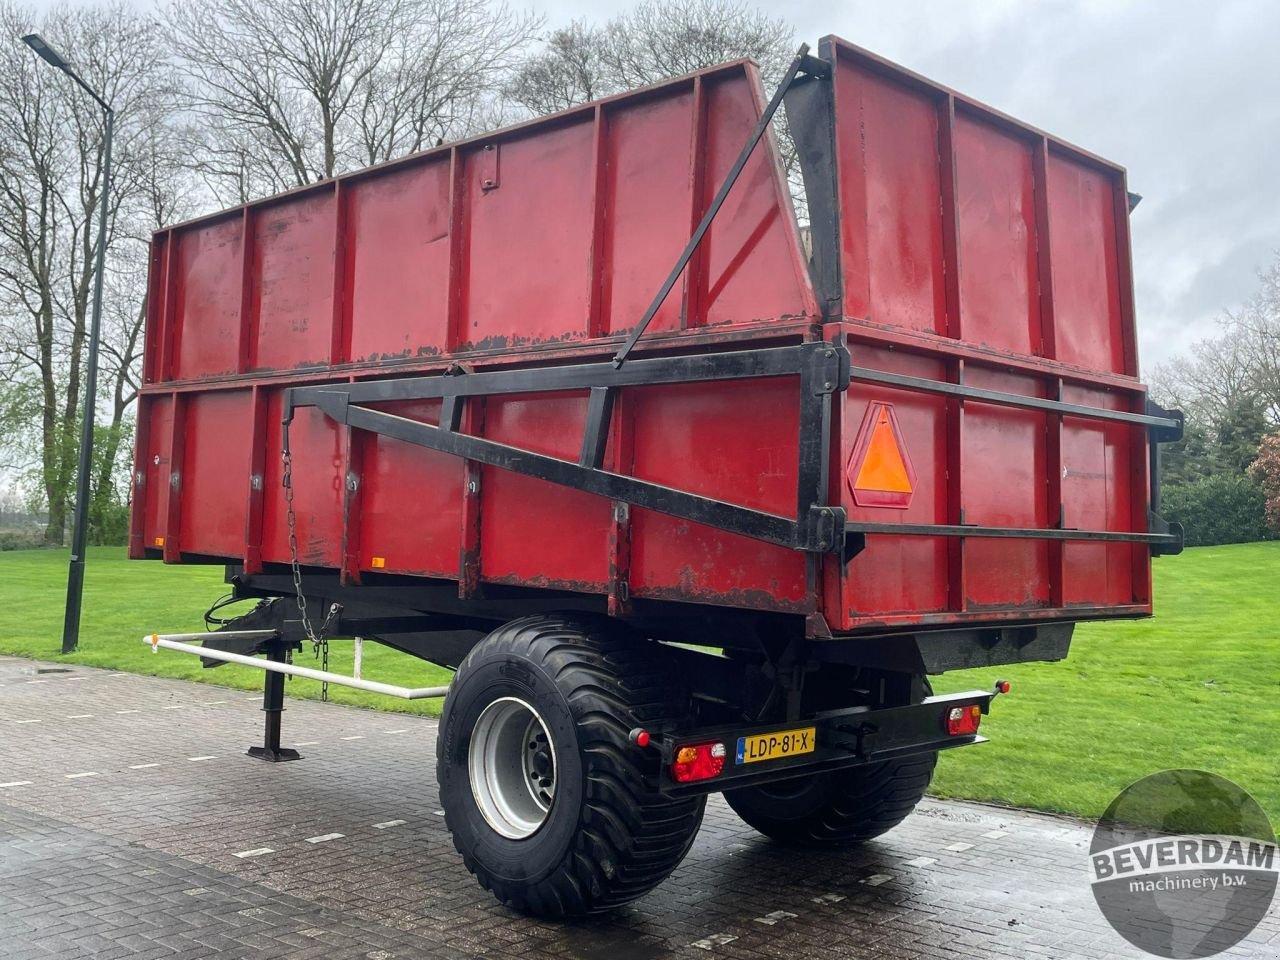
(695, 275)
(457, 323)
(1044, 258)
(248, 354)
(257, 483)
(957, 590)
(1053, 485)
(950, 213)
(600, 202)
(340, 337)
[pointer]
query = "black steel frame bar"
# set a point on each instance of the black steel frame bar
(821, 368)
(727, 365)
(1009, 399)
(1010, 533)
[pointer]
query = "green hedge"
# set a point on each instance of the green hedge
(1226, 508)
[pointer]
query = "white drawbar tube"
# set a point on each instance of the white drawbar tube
(179, 642)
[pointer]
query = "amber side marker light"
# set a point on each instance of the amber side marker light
(964, 720)
(699, 761)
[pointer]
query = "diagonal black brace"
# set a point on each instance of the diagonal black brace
(798, 65)
(820, 369)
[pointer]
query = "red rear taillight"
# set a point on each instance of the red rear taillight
(698, 761)
(964, 720)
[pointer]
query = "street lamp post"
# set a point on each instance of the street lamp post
(80, 521)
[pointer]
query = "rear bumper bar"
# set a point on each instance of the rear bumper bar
(843, 738)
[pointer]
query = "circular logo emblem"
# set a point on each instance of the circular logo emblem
(1184, 864)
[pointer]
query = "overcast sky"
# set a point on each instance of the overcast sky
(1184, 93)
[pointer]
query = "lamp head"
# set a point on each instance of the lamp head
(46, 52)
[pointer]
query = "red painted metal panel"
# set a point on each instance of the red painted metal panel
(215, 473)
(999, 286)
(293, 271)
(154, 463)
(696, 437)
(753, 267)
(908, 573)
(1086, 266)
(648, 147)
(1004, 470)
(1094, 455)
(208, 306)
(538, 533)
(411, 507)
(530, 284)
(890, 191)
(398, 239)
(317, 445)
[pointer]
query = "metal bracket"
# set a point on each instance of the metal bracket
(824, 530)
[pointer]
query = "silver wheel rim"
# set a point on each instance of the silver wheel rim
(512, 764)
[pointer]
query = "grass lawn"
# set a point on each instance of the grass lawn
(1197, 686)
(124, 600)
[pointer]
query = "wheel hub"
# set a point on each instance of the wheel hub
(512, 766)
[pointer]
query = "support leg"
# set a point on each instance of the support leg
(272, 707)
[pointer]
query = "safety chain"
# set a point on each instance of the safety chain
(319, 639)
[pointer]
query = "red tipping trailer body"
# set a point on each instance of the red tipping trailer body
(987, 444)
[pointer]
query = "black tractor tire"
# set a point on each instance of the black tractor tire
(840, 807)
(608, 836)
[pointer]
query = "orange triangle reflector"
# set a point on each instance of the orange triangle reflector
(880, 473)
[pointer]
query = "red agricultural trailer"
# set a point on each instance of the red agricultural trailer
(692, 501)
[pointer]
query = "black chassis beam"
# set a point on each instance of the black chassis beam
(844, 738)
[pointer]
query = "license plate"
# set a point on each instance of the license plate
(775, 746)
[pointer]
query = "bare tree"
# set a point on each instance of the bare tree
(567, 72)
(654, 41)
(51, 139)
(1212, 380)
(1258, 323)
(294, 91)
(658, 39)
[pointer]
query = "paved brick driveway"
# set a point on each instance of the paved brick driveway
(132, 825)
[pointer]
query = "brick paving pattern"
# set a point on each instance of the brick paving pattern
(132, 825)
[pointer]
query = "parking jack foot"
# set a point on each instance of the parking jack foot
(273, 707)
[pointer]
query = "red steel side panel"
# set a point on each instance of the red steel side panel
(1086, 267)
(415, 530)
(979, 250)
(317, 445)
(887, 150)
(213, 521)
(549, 233)
(519, 244)
(293, 263)
(397, 254)
(735, 441)
(529, 242)
(999, 287)
(532, 532)
(208, 302)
